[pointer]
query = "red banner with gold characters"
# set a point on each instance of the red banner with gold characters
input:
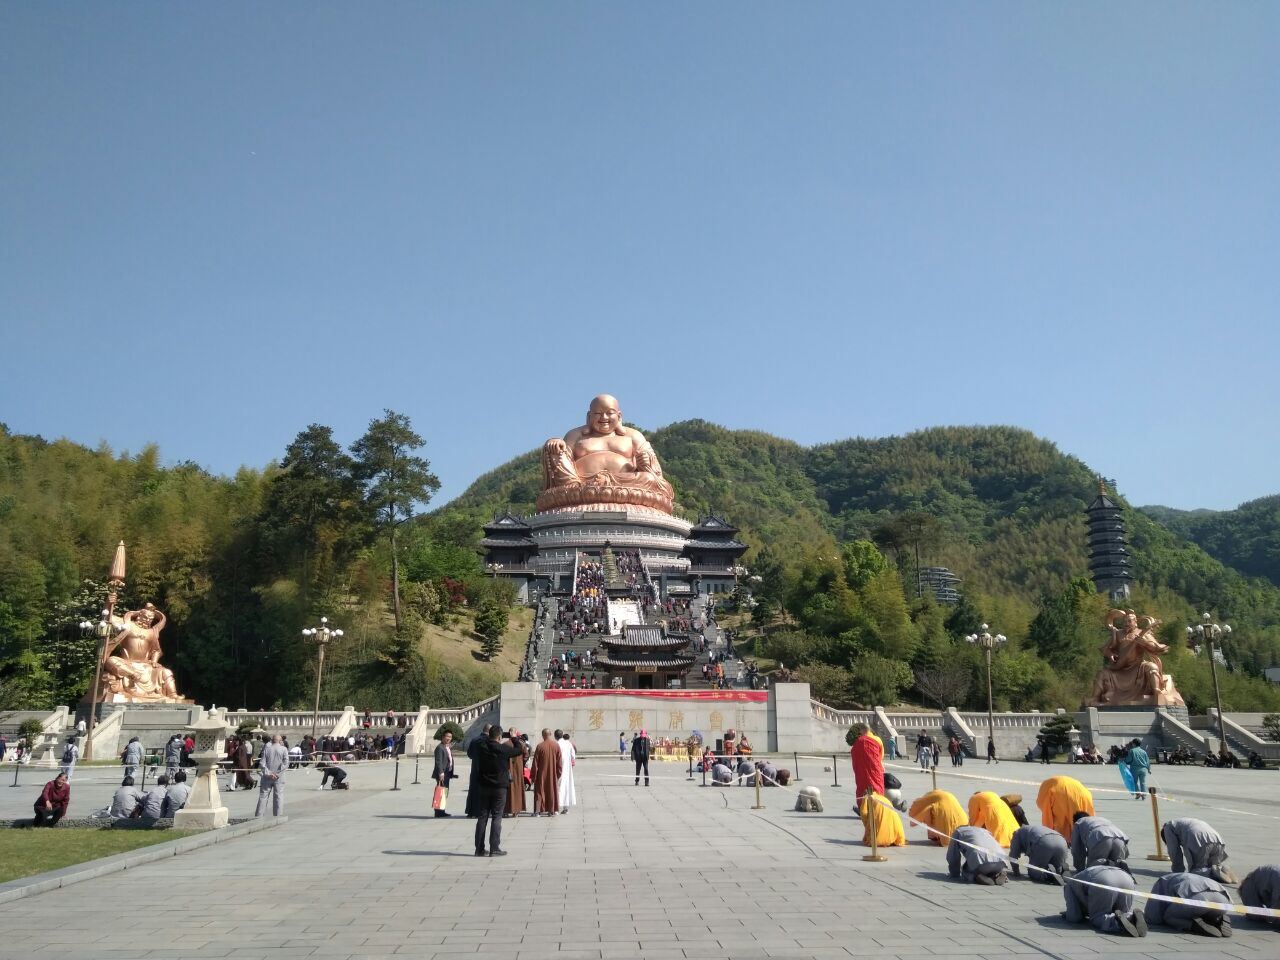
(747, 696)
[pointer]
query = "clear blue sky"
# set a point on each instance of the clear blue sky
(223, 222)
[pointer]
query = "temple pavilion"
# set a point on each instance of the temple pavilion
(646, 657)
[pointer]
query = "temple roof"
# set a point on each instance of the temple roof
(624, 663)
(717, 526)
(704, 544)
(645, 636)
(507, 521)
(514, 541)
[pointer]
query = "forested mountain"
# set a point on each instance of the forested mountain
(999, 506)
(1246, 538)
(240, 564)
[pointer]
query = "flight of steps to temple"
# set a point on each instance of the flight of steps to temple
(625, 611)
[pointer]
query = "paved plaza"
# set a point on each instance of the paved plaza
(673, 871)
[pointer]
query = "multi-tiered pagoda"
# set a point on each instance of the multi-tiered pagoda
(1109, 565)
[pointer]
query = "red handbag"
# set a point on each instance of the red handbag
(440, 798)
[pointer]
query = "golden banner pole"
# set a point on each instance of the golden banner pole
(759, 805)
(1155, 819)
(873, 815)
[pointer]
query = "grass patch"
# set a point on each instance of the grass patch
(24, 853)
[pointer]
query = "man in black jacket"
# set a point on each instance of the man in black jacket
(492, 758)
(640, 754)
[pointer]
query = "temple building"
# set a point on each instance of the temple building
(1109, 565)
(713, 554)
(509, 550)
(646, 657)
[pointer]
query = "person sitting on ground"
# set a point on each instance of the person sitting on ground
(1187, 917)
(988, 811)
(1059, 800)
(335, 773)
(1014, 802)
(1103, 899)
(1261, 888)
(152, 806)
(1197, 847)
(125, 802)
(1096, 840)
(176, 796)
(1255, 761)
(51, 805)
(974, 855)
(940, 812)
(1046, 853)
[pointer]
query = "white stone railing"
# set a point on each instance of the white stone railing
(1007, 721)
(463, 715)
(843, 718)
(285, 719)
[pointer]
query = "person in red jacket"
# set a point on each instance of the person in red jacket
(867, 754)
(54, 798)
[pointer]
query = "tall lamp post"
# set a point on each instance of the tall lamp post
(101, 631)
(987, 643)
(322, 635)
(1213, 634)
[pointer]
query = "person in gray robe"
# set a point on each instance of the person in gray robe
(176, 796)
(132, 757)
(721, 775)
(746, 773)
(173, 755)
(125, 801)
(272, 765)
(153, 800)
(1044, 848)
(1261, 888)
(1096, 840)
(1196, 847)
(1185, 916)
(974, 854)
(1109, 911)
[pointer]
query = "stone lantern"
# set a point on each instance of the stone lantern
(204, 809)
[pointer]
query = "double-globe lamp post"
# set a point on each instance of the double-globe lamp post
(101, 631)
(1213, 633)
(322, 635)
(987, 643)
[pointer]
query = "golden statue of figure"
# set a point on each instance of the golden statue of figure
(1132, 673)
(603, 463)
(131, 670)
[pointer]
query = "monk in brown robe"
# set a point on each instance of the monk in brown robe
(547, 766)
(515, 793)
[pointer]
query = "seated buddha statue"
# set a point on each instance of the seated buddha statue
(603, 463)
(1132, 672)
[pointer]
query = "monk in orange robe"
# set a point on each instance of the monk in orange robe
(941, 812)
(1059, 799)
(867, 754)
(889, 832)
(988, 811)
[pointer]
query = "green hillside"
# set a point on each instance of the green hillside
(240, 564)
(1246, 538)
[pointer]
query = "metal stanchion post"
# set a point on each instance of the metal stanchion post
(396, 783)
(873, 818)
(795, 759)
(16, 767)
(835, 771)
(934, 772)
(417, 758)
(704, 771)
(1155, 818)
(690, 777)
(759, 805)
(144, 774)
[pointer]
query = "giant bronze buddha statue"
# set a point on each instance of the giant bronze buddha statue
(1132, 673)
(603, 463)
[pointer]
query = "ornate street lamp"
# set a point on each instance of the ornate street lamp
(101, 630)
(1213, 633)
(987, 643)
(322, 636)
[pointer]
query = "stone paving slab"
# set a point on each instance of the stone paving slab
(675, 870)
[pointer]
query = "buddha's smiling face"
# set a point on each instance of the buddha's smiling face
(604, 417)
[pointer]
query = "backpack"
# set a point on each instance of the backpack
(68, 753)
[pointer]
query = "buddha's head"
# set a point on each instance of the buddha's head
(603, 416)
